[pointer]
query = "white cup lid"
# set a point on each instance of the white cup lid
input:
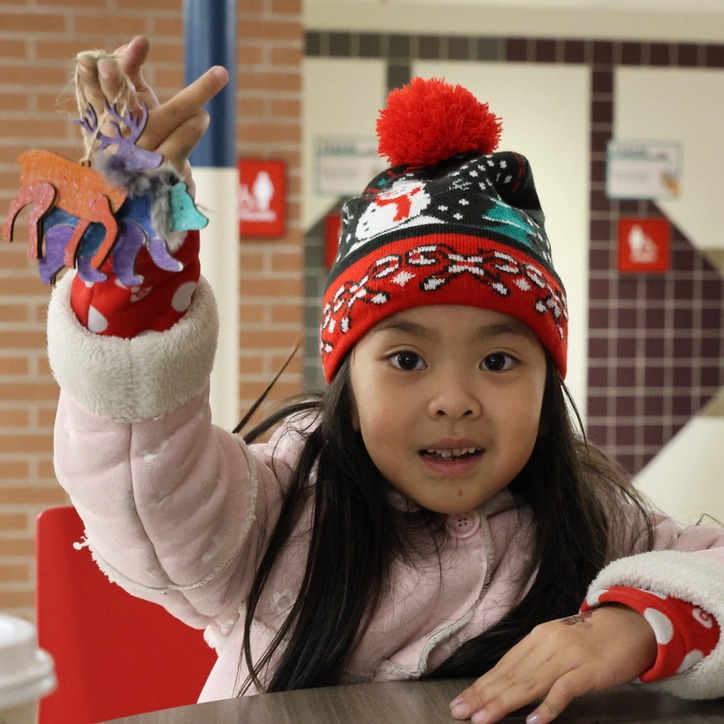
(27, 673)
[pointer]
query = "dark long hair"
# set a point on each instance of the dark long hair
(576, 495)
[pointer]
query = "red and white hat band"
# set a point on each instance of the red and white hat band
(442, 269)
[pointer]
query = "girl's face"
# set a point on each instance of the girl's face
(448, 402)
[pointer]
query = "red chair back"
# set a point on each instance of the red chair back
(115, 655)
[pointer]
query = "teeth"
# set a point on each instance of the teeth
(455, 452)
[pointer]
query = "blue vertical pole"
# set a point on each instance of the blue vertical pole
(210, 39)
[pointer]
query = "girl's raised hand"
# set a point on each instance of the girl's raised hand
(104, 78)
(174, 127)
(560, 660)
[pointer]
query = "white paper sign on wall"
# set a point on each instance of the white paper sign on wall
(643, 169)
(346, 165)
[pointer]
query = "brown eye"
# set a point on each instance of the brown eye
(407, 361)
(497, 362)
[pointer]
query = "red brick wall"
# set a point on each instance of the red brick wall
(37, 44)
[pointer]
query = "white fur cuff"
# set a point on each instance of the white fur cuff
(692, 577)
(128, 380)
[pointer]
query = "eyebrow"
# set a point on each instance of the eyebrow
(489, 330)
(514, 327)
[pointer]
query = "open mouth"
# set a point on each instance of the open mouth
(457, 453)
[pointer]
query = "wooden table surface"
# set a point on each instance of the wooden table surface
(399, 702)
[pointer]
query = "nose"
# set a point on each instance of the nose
(453, 397)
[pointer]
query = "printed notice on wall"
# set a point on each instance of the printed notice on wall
(643, 169)
(346, 165)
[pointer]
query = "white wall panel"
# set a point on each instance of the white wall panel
(341, 98)
(680, 105)
(675, 104)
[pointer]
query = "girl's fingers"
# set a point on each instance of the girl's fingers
(177, 147)
(111, 78)
(184, 106)
(502, 689)
(88, 77)
(132, 58)
(133, 55)
(107, 77)
(561, 694)
(104, 79)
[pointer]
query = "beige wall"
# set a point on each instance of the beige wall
(519, 18)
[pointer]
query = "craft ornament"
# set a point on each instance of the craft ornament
(81, 217)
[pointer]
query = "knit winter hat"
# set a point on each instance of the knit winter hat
(450, 222)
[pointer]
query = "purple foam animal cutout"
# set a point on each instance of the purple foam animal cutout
(57, 229)
(157, 204)
(128, 155)
(138, 230)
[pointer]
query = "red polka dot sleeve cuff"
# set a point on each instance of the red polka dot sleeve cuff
(684, 633)
(156, 303)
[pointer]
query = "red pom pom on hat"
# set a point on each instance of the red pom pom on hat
(428, 121)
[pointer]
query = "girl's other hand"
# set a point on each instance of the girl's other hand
(560, 660)
(173, 128)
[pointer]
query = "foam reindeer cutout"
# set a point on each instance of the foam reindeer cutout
(81, 217)
(51, 181)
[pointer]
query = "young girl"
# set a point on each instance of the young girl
(435, 511)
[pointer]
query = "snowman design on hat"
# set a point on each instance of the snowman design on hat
(400, 206)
